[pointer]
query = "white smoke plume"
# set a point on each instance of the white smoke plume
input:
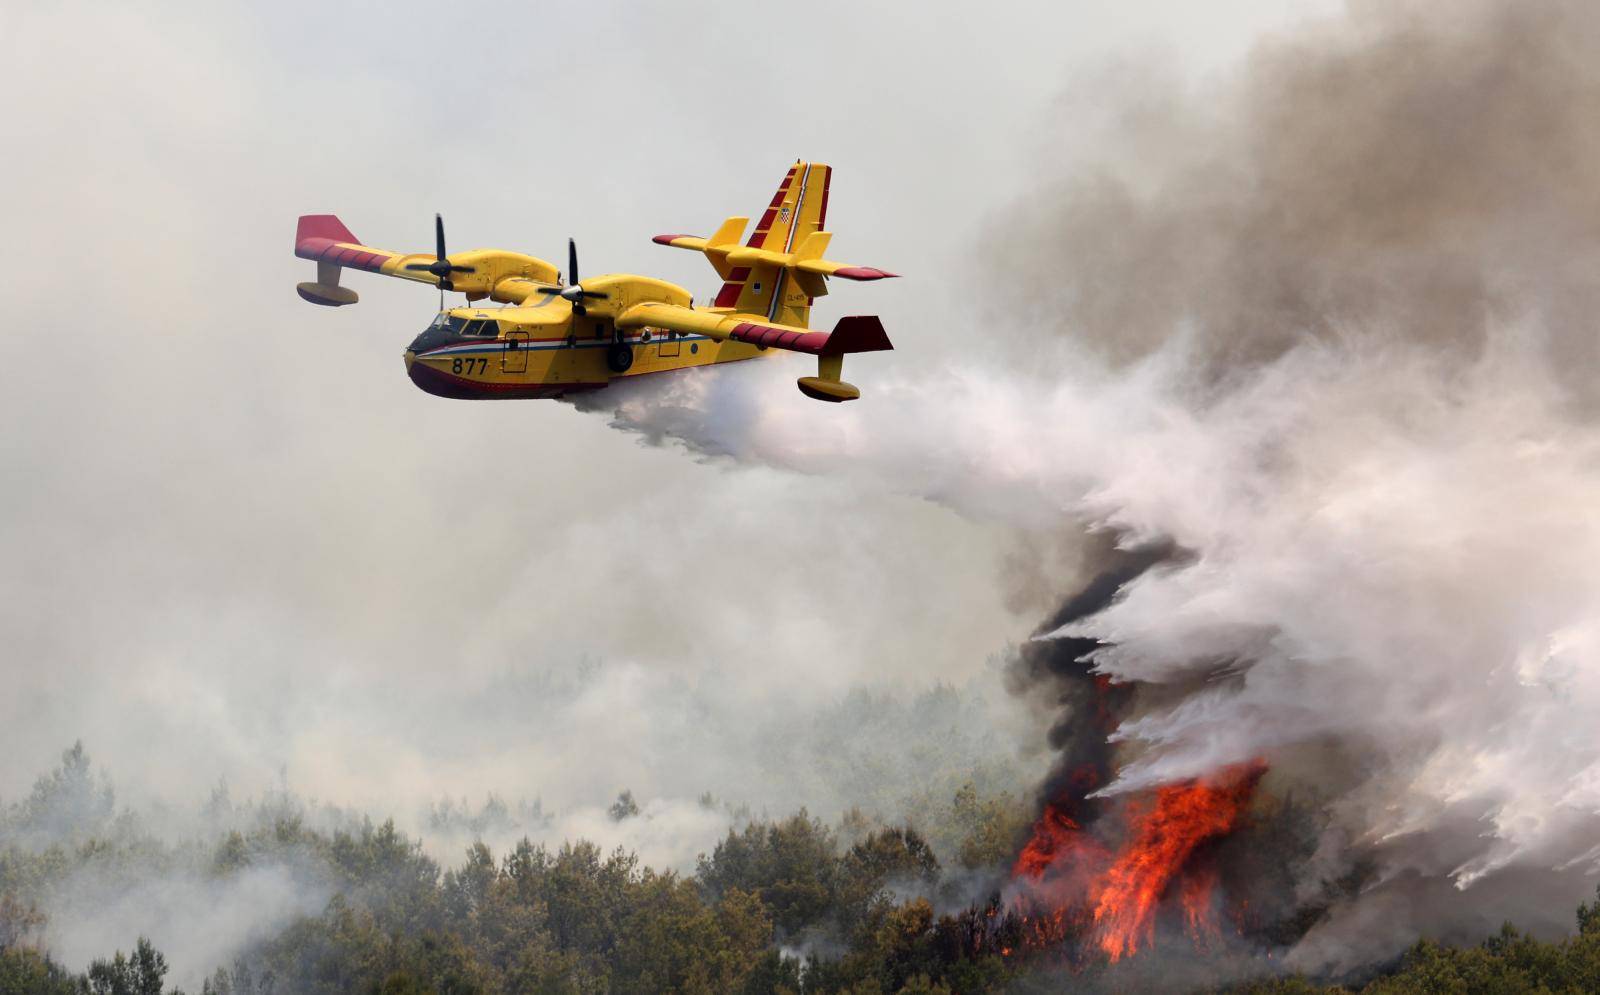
(1328, 327)
(198, 922)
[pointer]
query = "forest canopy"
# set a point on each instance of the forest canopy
(779, 905)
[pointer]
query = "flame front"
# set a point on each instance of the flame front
(1074, 877)
(1165, 835)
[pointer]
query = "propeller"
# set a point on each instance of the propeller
(441, 267)
(574, 291)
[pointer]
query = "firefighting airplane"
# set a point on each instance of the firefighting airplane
(560, 337)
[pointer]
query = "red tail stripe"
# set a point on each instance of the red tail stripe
(822, 215)
(758, 237)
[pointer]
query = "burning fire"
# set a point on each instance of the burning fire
(1054, 836)
(1075, 879)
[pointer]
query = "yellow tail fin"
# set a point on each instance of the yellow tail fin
(797, 211)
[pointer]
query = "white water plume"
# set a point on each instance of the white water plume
(1392, 553)
(1328, 328)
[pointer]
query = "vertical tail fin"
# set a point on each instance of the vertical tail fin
(797, 211)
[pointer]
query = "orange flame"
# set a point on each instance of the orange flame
(1119, 896)
(1164, 837)
(1195, 891)
(1054, 836)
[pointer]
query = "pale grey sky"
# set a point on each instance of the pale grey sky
(239, 542)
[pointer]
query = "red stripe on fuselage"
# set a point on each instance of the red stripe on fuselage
(490, 344)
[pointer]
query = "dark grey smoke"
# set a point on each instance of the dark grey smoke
(1061, 670)
(1413, 171)
(1360, 279)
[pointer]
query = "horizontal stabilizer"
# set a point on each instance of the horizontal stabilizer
(747, 256)
(861, 273)
(860, 333)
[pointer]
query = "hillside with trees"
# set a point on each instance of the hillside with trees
(785, 905)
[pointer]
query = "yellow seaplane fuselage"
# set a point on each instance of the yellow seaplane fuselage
(546, 350)
(551, 339)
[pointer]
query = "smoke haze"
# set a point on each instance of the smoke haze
(1326, 325)
(1319, 317)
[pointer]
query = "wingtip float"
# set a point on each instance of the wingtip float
(552, 338)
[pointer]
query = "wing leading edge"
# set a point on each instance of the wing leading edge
(505, 276)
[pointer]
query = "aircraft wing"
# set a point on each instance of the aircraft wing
(860, 333)
(505, 276)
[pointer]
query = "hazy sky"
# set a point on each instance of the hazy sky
(238, 542)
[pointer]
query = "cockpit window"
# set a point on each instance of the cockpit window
(454, 325)
(448, 322)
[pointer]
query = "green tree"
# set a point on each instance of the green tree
(988, 829)
(68, 802)
(791, 865)
(884, 857)
(27, 972)
(901, 945)
(1589, 916)
(623, 808)
(774, 974)
(18, 919)
(141, 974)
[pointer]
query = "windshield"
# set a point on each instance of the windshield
(456, 325)
(445, 322)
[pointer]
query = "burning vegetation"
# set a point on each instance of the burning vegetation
(1187, 886)
(1099, 875)
(1068, 881)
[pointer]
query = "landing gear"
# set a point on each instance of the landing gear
(619, 357)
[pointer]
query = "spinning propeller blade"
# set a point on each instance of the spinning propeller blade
(441, 267)
(574, 291)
